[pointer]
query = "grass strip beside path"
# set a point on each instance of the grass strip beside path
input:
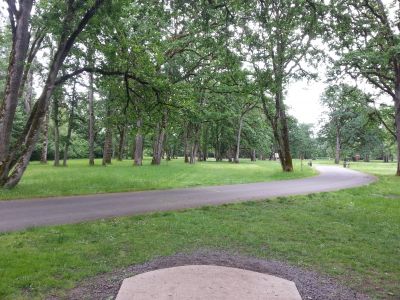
(80, 179)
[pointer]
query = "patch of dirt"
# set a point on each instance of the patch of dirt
(311, 285)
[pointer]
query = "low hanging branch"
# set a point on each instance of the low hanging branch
(65, 77)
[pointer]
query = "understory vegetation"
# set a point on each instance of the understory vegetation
(351, 235)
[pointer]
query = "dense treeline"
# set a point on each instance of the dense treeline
(123, 79)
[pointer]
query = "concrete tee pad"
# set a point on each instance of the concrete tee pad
(206, 282)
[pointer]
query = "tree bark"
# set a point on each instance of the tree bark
(397, 115)
(159, 139)
(194, 145)
(239, 132)
(28, 94)
(193, 153)
(337, 150)
(186, 146)
(56, 122)
(70, 125)
(107, 148)
(20, 44)
(204, 146)
(121, 144)
(45, 139)
(91, 119)
(253, 156)
(138, 159)
(278, 122)
(285, 156)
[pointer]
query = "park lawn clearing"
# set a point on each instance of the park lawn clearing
(80, 179)
(351, 235)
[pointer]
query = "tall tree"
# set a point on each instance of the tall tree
(367, 41)
(279, 43)
(14, 159)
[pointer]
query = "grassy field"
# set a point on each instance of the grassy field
(351, 235)
(80, 179)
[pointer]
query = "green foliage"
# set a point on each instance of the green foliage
(351, 118)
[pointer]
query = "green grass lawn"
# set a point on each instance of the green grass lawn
(352, 235)
(79, 179)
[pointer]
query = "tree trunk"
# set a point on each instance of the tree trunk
(186, 146)
(194, 145)
(28, 94)
(278, 122)
(45, 140)
(70, 125)
(159, 139)
(13, 82)
(138, 159)
(239, 132)
(285, 156)
(56, 121)
(121, 144)
(91, 120)
(253, 155)
(193, 153)
(397, 117)
(204, 146)
(218, 154)
(366, 159)
(107, 148)
(337, 151)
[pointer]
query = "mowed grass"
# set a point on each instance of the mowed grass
(352, 235)
(81, 179)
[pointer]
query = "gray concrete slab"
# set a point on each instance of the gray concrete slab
(21, 214)
(206, 282)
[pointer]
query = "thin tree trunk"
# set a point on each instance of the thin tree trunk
(239, 132)
(397, 117)
(70, 125)
(91, 120)
(28, 94)
(159, 139)
(138, 159)
(195, 144)
(56, 121)
(337, 151)
(186, 146)
(121, 144)
(107, 148)
(204, 143)
(45, 139)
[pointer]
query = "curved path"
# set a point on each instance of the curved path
(20, 214)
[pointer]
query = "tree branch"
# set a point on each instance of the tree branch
(65, 77)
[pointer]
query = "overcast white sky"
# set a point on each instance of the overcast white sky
(303, 100)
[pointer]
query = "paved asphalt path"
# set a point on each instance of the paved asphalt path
(21, 214)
